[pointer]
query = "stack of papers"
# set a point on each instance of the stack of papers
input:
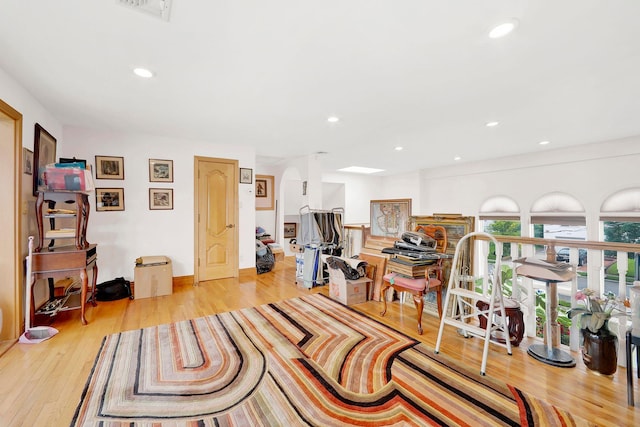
(539, 269)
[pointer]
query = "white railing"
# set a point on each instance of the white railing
(592, 274)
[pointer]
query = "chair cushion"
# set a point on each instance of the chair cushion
(405, 282)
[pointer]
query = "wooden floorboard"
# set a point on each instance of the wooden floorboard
(40, 384)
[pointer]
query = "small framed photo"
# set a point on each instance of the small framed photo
(27, 161)
(160, 170)
(109, 167)
(290, 230)
(246, 176)
(109, 199)
(161, 198)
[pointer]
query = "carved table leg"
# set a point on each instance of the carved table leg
(383, 293)
(83, 294)
(419, 302)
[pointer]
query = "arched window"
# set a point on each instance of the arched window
(500, 215)
(558, 216)
(620, 219)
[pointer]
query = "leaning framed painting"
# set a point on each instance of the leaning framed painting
(290, 230)
(390, 218)
(457, 226)
(44, 152)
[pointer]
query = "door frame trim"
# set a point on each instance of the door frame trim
(16, 314)
(196, 201)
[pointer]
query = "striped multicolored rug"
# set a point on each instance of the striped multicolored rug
(302, 362)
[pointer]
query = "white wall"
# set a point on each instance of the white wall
(32, 112)
(138, 231)
(358, 191)
(590, 173)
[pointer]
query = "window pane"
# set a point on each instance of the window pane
(621, 232)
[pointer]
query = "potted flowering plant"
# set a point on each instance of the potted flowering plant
(599, 346)
(593, 312)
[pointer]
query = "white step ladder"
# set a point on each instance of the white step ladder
(463, 298)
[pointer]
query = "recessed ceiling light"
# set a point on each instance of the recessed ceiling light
(544, 142)
(456, 158)
(492, 124)
(398, 148)
(333, 119)
(143, 72)
(503, 29)
(360, 169)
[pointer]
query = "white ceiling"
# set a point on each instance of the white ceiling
(417, 73)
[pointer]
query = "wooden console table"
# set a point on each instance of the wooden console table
(65, 261)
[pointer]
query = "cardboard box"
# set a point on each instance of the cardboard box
(278, 254)
(154, 279)
(349, 291)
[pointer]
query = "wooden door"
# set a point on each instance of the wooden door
(216, 211)
(11, 285)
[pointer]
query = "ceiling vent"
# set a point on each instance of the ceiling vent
(158, 8)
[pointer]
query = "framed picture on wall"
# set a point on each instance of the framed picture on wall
(264, 192)
(109, 199)
(160, 198)
(109, 167)
(246, 176)
(44, 152)
(160, 170)
(27, 161)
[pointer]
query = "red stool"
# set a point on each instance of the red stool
(515, 320)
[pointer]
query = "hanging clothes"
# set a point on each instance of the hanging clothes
(321, 232)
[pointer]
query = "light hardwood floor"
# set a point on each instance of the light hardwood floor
(40, 384)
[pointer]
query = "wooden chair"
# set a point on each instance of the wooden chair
(418, 287)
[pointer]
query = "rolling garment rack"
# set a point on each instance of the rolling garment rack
(321, 232)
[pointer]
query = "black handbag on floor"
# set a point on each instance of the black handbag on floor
(115, 289)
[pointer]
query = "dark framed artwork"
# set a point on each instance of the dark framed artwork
(109, 199)
(261, 188)
(246, 176)
(27, 161)
(160, 170)
(161, 198)
(290, 230)
(109, 167)
(264, 192)
(44, 153)
(390, 218)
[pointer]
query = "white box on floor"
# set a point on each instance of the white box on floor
(153, 277)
